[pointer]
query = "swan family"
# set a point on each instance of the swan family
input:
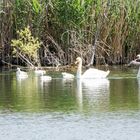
(91, 73)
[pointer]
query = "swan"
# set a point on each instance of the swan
(66, 75)
(137, 63)
(21, 74)
(39, 72)
(45, 78)
(91, 72)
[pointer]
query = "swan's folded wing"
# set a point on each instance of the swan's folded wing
(95, 73)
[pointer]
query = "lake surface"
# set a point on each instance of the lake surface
(105, 109)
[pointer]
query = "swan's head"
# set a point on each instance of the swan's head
(138, 56)
(78, 60)
(18, 69)
(36, 68)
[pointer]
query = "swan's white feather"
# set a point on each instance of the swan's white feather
(45, 78)
(91, 72)
(21, 74)
(67, 75)
(95, 73)
(39, 72)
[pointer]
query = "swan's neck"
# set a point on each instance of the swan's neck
(79, 70)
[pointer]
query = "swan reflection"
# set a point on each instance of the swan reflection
(138, 81)
(94, 92)
(79, 95)
(45, 82)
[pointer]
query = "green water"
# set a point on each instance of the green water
(70, 109)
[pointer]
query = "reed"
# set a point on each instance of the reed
(101, 31)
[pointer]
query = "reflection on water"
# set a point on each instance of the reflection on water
(65, 95)
(79, 94)
(69, 109)
(95, 92)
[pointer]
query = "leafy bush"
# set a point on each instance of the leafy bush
(26, 47)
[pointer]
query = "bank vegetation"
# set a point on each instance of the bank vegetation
(57, 31)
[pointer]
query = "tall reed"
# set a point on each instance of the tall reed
(101, 31)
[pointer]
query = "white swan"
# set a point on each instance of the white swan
(66, 75)
(91, 72)
(137, 63)
(45, 78)
(39, 72)
(21, 74)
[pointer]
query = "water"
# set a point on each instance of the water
(106, 109)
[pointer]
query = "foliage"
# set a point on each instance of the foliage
(26, 45)
(68, 28)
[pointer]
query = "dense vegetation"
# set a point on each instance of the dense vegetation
(107, 30)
